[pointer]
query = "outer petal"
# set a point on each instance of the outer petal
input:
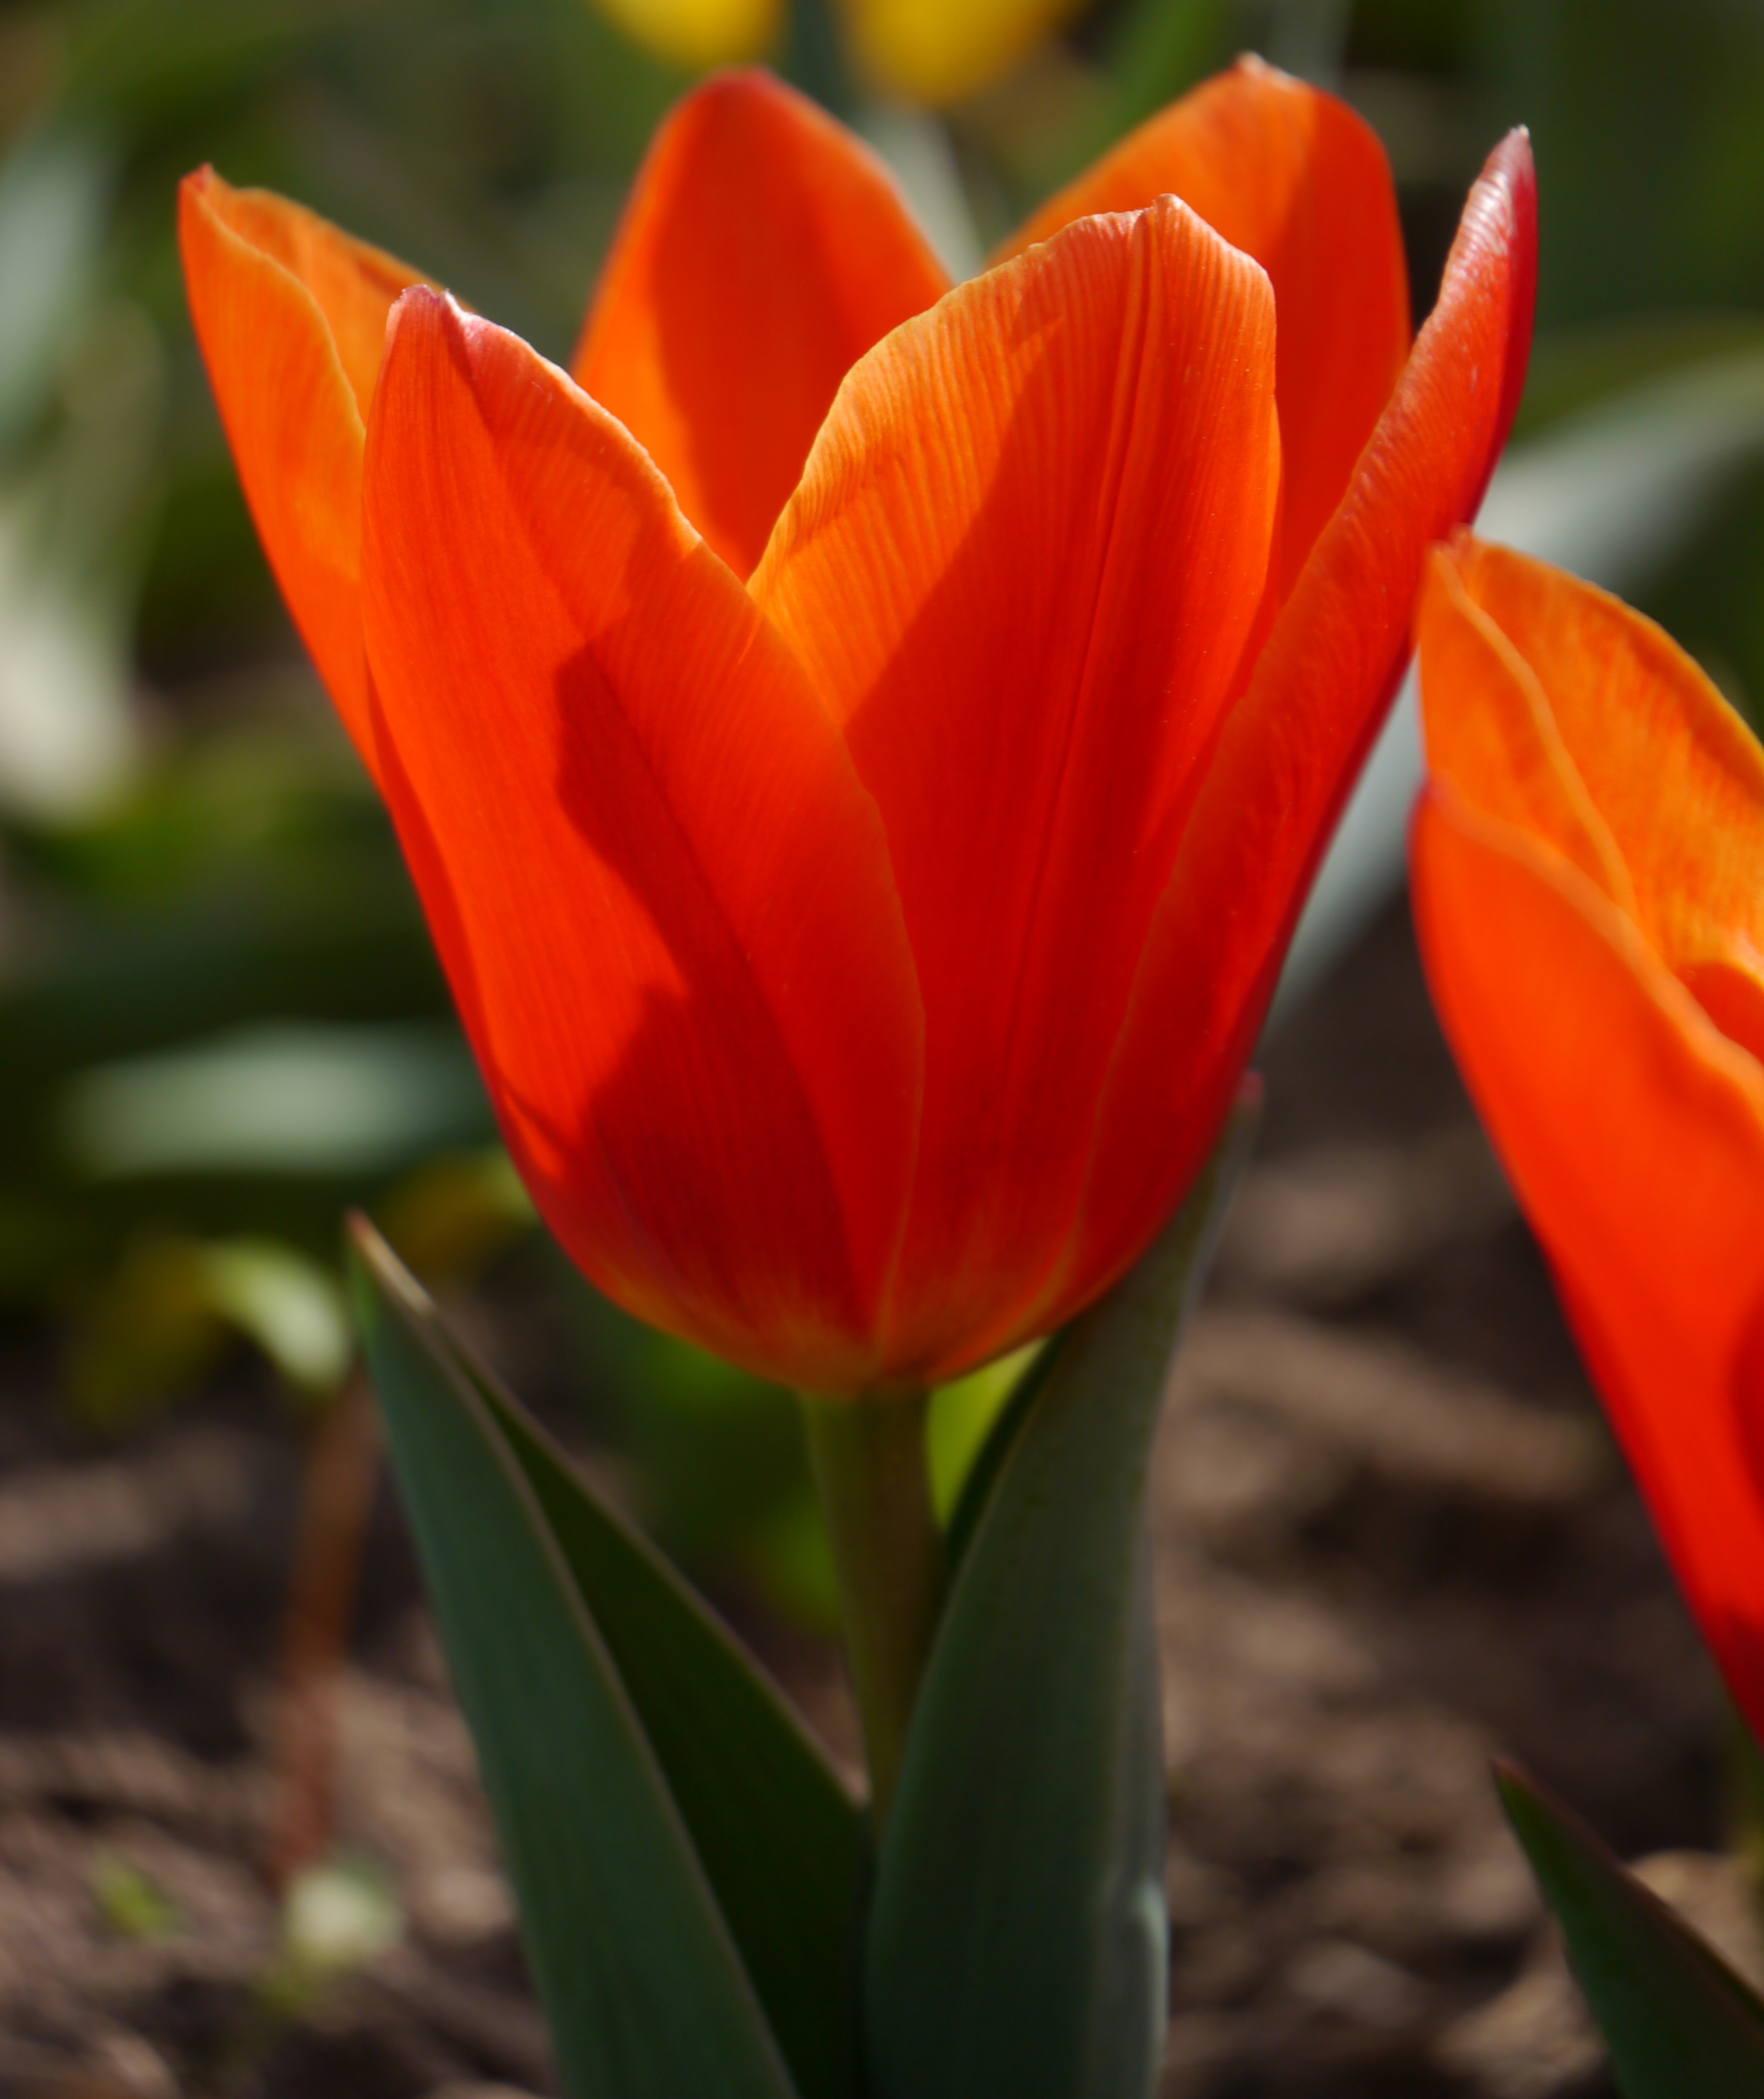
(1634, 1134)
(1296, 179)
(764, 249)
(1676, 776)
(1491, 733)
(661, 895)
(292, 316)
(1293, 744)
(1023, 561)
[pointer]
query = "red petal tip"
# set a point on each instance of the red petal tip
(1502, 214)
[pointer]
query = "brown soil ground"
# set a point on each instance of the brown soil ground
(1394, 1539)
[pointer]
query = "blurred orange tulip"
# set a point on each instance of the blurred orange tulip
(1588, 864)
(862, 744)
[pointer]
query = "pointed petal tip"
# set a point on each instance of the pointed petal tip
(1511, 156)
(1494, 261)
(411, 320)
(199, 194)
(741, 83)
(430, 297)
(422, 316)
(1510, 172)
(752, 88)
(1501, 214)
(418, 303)
(1506, 193)
(1253, 66)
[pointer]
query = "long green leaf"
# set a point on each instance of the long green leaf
(1678, 2021)
(782, 1842)
(1016, 1937)
(781, 1839)
(641, 1980)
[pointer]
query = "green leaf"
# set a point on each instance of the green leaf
(1678, 2022)
(1017, 1937)
(781, 1841)
(643, 1982)
(780, 1838)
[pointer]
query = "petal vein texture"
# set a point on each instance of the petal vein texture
(291, 315)
(1293, 746)
(1020, 568)
(1297, 179)
(1587, 866)
(660, 890)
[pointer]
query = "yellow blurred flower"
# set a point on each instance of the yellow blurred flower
(697, 33)
(931, 51)
(937, 51)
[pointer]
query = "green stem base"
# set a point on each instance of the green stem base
(873, 1479)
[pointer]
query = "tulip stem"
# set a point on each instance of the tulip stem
(874, 1478)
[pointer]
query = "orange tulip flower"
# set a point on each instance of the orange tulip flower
(862, 744)
(1588, 864)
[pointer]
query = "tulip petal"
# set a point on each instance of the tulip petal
(764, 249)
(1296, 179)
(661, 895)
(1633, 1132)
(1675, 774)
(292, 318)
(1491, 734)
(1021, 566)
(1293, 744)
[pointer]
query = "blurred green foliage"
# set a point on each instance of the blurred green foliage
(219, 1014)
(220, 1020)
